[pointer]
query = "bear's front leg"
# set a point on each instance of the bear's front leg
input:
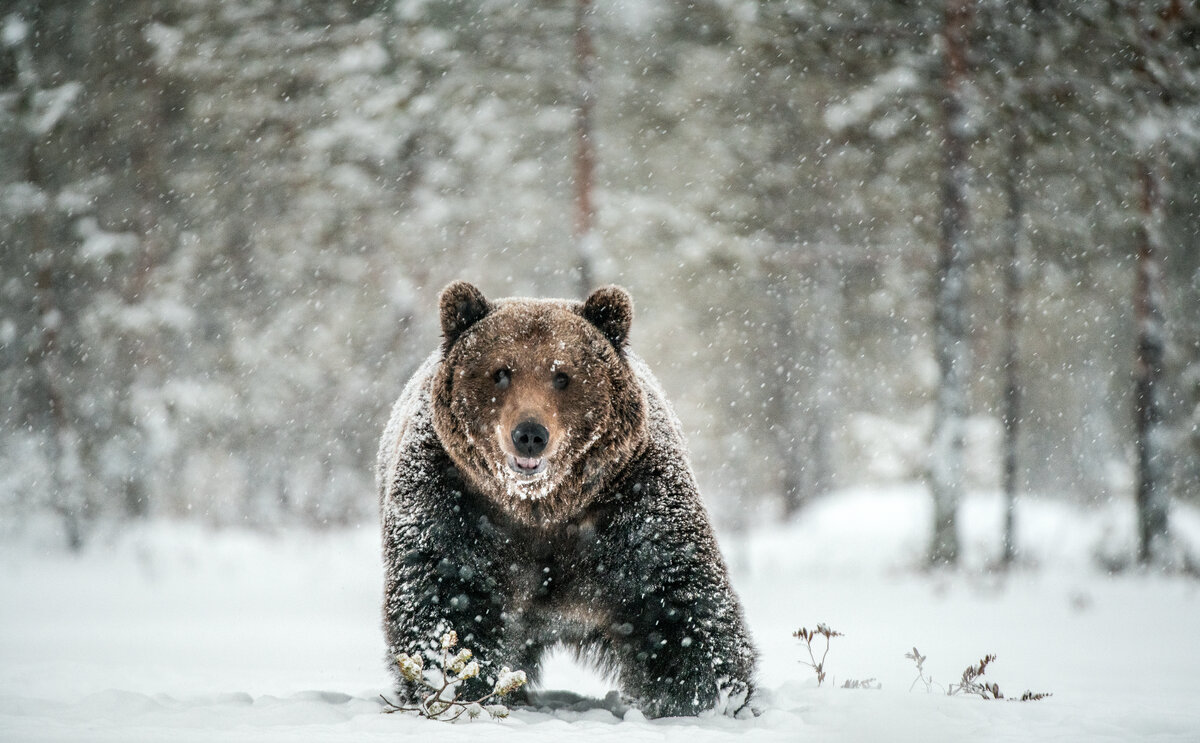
(681, 654)
(443, 571)
(421, 605)
(678, 631)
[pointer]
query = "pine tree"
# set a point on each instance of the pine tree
(587, 240)
(1014, 258)
(1161, 79)
(950, 314)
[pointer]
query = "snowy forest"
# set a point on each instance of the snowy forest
(921, 279)
(870, 243)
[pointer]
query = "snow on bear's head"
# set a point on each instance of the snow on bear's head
(534, 399)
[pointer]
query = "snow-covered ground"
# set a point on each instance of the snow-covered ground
(174, 632)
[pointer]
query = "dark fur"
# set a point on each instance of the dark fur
(617, 560)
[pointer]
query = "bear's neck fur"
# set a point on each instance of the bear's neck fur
(582, 476)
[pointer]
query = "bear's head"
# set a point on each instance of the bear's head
(535, 400)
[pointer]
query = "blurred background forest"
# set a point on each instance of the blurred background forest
(224, 226)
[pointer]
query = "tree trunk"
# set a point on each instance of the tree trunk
(151, 223)
(1013, 279)
(827, 346)
(789, 427)
(1152, 494)
(586, 240)
(63, 453)
(66, 499)
(950, 332)
(805, 364)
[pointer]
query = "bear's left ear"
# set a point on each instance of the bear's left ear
(610, 308)
(462, 305)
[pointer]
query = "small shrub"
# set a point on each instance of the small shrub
(916, 657)
(807, 636)
(971, 682)
(443, 681)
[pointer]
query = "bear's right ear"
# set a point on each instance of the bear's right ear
(462, 306)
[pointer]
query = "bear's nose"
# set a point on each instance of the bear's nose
(530, 438)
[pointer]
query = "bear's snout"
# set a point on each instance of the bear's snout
(530, 439)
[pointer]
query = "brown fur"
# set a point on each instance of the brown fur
(603, 546)
(596, 424)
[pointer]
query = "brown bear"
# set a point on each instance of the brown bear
(535, 490)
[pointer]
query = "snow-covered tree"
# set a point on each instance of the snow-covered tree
(235, 218)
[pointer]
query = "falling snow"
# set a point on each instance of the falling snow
(224, 226)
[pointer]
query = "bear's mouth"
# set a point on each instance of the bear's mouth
(527, 467)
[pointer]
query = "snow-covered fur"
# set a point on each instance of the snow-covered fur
(605, 547)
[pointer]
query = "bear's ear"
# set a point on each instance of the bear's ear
(462, 306)
(610, 308)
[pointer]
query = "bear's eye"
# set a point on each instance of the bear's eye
(503, 378)
(561, 380)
